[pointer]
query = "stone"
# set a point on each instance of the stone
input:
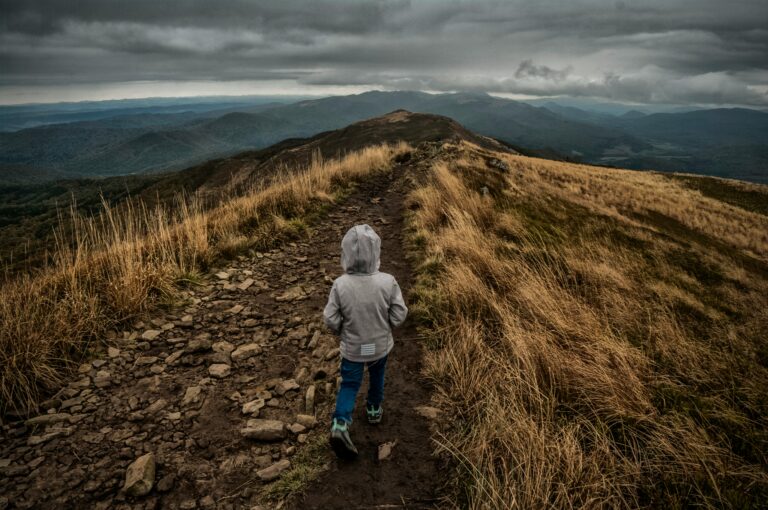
(430, 413)
(264, 430)
(170, 360)
(301, 374)
(150, 334)
(140, 476)
(272, 472)
(246, 351)
(156, 406)
(102, 379)
(285, 386)
(173, 416)
(292, 294)
(98, 363)
(309, 400)
(306, 420)
(146, 360)
(254, 406)
(297, 428)
(200, 343)
(245, 284)
(222, 275)
(47, 419)
(208, 502)
(333, 353)
(219, 370)
(84, 368)
(385, 449)
(315, 338)
(223, 346)
(192, 395)
(221, 357)
(32, 464)
(236, 309)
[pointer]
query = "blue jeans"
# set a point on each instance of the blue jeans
(352, 378)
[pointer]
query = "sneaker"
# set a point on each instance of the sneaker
(374, 414)
(341, 442)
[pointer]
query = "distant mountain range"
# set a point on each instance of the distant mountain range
(723, 142)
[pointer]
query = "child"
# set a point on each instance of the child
(363, 307)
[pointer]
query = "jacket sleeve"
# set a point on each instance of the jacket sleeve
(397, 309)
(332, 313)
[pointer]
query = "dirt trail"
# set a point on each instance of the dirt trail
(409, 478)
(175, 387)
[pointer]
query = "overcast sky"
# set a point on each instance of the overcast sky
(644, 51)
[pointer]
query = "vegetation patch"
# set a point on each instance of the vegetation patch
(591, 353)
(126, 260)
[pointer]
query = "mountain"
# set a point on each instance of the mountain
(18, 117)
(131, 144)
(29, 212)
(722, 142)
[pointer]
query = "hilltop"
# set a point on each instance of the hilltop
(578, 336)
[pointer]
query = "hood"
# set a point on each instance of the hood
(360, 250)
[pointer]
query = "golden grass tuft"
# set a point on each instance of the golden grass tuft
(122, 262)
(588, 341)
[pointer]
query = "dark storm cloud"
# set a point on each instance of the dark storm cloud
(703, 51)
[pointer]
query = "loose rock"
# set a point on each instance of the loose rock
(385, 449)
(273, 471)
(253, 407)
(140, 476)
(219, 370)
(150, 334)
(264, 430)
(246, 351)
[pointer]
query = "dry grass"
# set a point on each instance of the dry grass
(598, 336)
(123, 261)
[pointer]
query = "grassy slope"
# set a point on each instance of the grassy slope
(598, 336)
(128, 260)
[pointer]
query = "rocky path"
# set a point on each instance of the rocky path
(205, 406)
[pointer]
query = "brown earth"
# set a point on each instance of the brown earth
(154, 392)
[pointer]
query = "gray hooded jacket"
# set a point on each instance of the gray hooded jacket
(364, 304)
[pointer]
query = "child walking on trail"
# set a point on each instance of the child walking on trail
(363, 307)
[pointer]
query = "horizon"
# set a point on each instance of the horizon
(679, 52)
(565, 100)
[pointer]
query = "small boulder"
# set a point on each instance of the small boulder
(140, 476)
(200, 343)
(192, 395)
(264, 430)
(254, 406)
(223, 346)
(270, 473)
(150, 334)
(385, 450)
(246, 351)
(309, 400)
(297, 428)
(219, 370)
(306, 420)
(285, 386)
